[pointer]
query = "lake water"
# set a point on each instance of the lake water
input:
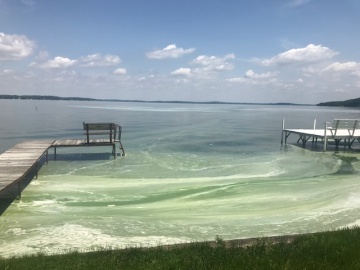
(191, 172)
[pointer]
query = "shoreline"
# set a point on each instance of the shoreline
(218, 242)
(244, 242)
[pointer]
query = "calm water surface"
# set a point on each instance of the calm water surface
(191, 172)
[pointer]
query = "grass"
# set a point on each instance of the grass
(329, 250)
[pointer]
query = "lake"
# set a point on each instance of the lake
(191, 172)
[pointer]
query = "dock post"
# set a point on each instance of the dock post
(325, 136)
(122, 149)
(313, 138)
(282, 131)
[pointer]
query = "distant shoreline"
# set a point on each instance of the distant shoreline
(41, 97)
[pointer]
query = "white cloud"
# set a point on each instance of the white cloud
(120, 71)
(170, 51)
(336, 69)
(93, 60)
(8, 71)
(252, 75)
(182, 72)
(146, 78)
(255, 78)
(15, 47)
(213, 63)
(309, 54)
(348, 66)
(57, 62)
(98, 60)
(237, 80)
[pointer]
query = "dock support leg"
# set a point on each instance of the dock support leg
(303, 138)
(122, 149)
(325, 136)
(282, 131)
(54, 152)
(313, 138)
(337, 142)
(114, 150)
(350, 142)
(36, 172)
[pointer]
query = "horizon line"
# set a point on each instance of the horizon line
(50, 97)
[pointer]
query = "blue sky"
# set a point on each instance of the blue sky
(303, 51)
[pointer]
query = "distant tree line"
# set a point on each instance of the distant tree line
(39, 97)
(347, 103)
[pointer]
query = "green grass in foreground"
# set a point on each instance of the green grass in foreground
(330, 250)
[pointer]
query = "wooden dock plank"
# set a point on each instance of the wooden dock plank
(16, 162)
(20, 156)
(64, 143)
(59, 143)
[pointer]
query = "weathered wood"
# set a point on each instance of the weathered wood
(99, 126)
(64, 143)
(82, 143)
(92, 142)
(18, 161)
(96, 129)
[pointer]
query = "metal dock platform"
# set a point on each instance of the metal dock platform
(346, 130)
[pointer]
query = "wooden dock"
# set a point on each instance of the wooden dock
(17, 162)
(82, 143)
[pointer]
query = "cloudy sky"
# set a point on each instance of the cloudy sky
(303, 51)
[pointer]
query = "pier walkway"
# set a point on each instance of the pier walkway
(346, 130)
(17, 162)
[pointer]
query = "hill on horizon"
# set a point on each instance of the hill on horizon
(346, 103)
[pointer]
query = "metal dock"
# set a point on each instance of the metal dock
(346, 130)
